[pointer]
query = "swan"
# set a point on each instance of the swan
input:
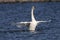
(32, 24)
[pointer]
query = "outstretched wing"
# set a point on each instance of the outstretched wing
(44, 21)
(19, 24)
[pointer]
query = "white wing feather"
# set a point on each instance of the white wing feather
(44, 21)
(20, 24)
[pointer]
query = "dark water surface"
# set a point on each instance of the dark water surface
(18, 12)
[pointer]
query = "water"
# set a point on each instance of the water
(18, 12)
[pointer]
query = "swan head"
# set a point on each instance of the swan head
(33, 7)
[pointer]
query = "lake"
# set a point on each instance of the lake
(18, 12)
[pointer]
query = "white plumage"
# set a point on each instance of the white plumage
(32, 25)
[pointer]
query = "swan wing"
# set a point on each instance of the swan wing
(19, 24)
(44, 21)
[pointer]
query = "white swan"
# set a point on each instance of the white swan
(32, 25)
